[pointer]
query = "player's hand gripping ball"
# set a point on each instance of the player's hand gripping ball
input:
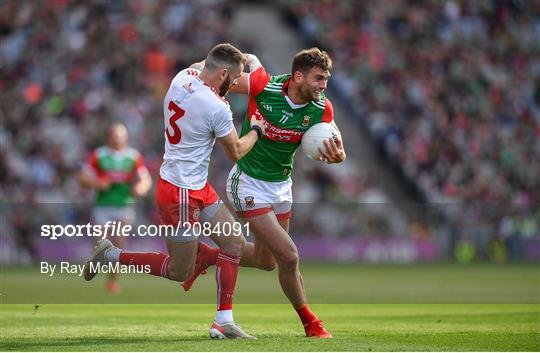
(314, 138)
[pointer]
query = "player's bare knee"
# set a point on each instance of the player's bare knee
(235, 246)
(177, 274)
(173, 275)
(288, 261)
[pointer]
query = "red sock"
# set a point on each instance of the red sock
(306, 315)
(209, 254)
(226, 273)
(157, 261)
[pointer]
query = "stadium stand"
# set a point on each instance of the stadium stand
(451, 98)
(451, 93)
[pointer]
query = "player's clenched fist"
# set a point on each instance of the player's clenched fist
(257, 120)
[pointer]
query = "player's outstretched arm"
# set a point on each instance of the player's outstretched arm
(242, 85)
(236, 148)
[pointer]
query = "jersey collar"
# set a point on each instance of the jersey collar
(291, 104)
(213, 90)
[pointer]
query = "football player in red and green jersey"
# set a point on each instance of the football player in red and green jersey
(118, 174)
(259, 185)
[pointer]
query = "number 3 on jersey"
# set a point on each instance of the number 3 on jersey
(177, 114)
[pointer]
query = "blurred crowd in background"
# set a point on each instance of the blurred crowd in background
(69, 70)
(451, 93)
(451, 90)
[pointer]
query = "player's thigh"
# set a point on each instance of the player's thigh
(227, 238)
(263, 255)
(182, 258)
(269, 232)
(285, 224)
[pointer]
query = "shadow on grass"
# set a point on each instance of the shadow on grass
(84, 341)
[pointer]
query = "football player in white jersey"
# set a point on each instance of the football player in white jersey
(195, 114)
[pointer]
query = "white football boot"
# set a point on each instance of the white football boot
(229, 330)
(98, 259)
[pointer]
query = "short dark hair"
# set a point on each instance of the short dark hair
(310, 58)
(224, 55)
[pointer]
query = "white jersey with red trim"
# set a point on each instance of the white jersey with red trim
(194, 115)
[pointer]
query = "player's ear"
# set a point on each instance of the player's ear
(223, 73)
(298, 76)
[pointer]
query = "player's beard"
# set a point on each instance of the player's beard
(225, 86)
(309, 94)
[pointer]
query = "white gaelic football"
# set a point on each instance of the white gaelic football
(315, 136)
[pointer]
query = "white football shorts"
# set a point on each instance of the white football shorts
(252, 197)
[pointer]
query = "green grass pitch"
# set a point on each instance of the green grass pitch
(367, 308)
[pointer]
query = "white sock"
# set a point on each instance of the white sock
(224, 316)
(113, 254)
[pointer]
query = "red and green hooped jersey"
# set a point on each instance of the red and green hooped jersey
(119, 167)
(272, 157)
